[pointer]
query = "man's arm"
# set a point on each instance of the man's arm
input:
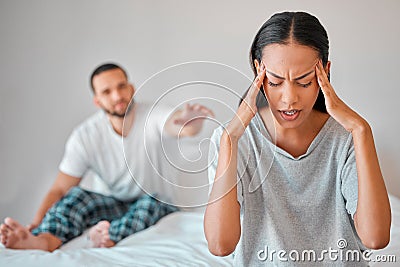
(59, 189)
(187, 121)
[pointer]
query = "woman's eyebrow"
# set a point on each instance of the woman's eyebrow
(296, 79)
(303, 76)
(275, 75)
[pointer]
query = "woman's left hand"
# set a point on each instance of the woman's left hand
(342, 113)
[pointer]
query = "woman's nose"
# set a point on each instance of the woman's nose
(289, 95)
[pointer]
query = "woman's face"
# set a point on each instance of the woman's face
(291, 85)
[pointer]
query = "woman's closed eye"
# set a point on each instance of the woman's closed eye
(273, 84)
(305, 85)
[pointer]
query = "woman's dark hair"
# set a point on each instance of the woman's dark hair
(283, 28)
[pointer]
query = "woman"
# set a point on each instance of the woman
(301, 168)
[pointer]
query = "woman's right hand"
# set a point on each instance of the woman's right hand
(223, 209)
(247, 109)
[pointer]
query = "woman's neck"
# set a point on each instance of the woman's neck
(295, 141)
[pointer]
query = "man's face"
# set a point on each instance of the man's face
(112, 92)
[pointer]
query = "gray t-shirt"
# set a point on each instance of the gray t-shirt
(296, 211)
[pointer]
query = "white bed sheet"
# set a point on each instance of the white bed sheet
(176, 240)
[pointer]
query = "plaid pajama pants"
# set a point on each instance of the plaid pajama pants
(81, 209)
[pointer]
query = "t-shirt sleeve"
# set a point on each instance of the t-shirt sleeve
(213, 162)
(75, 159)
(349, 179)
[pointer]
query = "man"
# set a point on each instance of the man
(95, 149)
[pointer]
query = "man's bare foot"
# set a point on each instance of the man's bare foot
(98, 234)
(16, 236)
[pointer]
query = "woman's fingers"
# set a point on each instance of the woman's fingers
(248, 107)
(342, 113)
(323, 81)
(255, 87)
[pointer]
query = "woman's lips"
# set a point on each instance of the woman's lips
(289, 115)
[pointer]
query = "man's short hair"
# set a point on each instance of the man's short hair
(103, 68)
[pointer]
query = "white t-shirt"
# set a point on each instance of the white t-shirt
(128, 166)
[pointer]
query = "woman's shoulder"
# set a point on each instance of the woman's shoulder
(335, 129)
(334, 137)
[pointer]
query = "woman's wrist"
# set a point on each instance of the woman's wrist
(230, 136)
(361, 128)
(238, 125)
(235, 129)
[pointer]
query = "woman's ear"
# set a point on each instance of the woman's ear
(257, 66)
(328, 70)
(328, 67)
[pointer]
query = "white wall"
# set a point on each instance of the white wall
(48, 49)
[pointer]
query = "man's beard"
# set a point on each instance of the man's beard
(119, 115)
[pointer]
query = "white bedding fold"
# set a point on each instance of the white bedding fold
(176, 240)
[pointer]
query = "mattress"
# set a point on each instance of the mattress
(176, 240)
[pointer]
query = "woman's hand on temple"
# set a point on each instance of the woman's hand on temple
(342, 113)
(247, 109)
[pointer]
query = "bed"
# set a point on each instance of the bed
(176, 240)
